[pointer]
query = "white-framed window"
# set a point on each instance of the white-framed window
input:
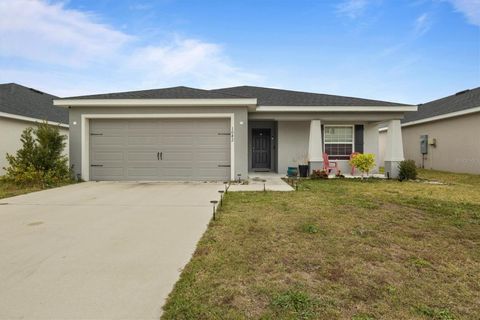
(339, 141)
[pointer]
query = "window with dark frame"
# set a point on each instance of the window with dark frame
(338, 142)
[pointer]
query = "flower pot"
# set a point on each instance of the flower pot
(303, 170)
(292, 171)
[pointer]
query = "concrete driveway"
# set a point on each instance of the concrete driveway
(98, 249)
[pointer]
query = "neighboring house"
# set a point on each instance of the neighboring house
(20, 108)
(183, 133)
(452, 127)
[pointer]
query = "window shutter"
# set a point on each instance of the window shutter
(359, 138)
(323, 135)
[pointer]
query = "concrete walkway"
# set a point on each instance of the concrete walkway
(257, 181)
(105, 250)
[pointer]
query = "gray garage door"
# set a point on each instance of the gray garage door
(160, 149)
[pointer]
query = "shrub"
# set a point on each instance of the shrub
(319, 174)
(363, 162)
(407, 170)
(40, 161)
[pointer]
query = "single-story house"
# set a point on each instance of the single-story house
(20, 108)
(184, 133)
(443, 134)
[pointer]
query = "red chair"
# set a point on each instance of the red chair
(351, 157)
(328, 166)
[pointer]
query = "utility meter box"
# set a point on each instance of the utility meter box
(424, 144)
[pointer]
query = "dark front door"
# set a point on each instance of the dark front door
(261, 148)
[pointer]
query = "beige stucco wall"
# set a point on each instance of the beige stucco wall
(292, 143)
(382, 140)
(371, 144)
(293, 139)
(10, 132)
(458, 144)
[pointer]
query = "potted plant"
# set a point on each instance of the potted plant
(303, 167)
(292, 172)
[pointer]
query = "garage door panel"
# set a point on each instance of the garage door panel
(209, 165)
(108, 156)
(192, 149)
(142, 172)
(177, 140)
(180, 173)
(207, 173)
(142, 141)
(142, 125)
(176, 126)
(107, 141)
(213, 156)
(144, 156)
(213, 141)
(177, 155)
(108, 172)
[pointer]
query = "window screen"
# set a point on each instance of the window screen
(339, 142)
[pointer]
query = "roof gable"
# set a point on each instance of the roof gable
(164, 93)
(281, 97)
(27, 102)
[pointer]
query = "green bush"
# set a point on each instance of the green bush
(363, 162)
(407, 170)
(40, 161)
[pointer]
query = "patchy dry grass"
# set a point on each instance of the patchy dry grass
(340, 249)
(9, 189)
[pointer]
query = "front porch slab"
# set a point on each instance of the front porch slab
(260, 181)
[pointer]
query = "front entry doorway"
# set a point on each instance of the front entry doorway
(261, 149)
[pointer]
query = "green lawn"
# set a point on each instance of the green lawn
(340, 249)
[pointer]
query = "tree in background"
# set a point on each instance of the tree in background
(40, 161)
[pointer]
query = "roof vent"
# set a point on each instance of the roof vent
(461, 92)
(35, 90)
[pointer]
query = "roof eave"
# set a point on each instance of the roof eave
(30, 119)
(442, 116)
(234, 102)
(400, 108)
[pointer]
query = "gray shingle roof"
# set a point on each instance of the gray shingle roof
(265, 96)
(460, 101)
(22, 101)
(165, 93)
(280, 97)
